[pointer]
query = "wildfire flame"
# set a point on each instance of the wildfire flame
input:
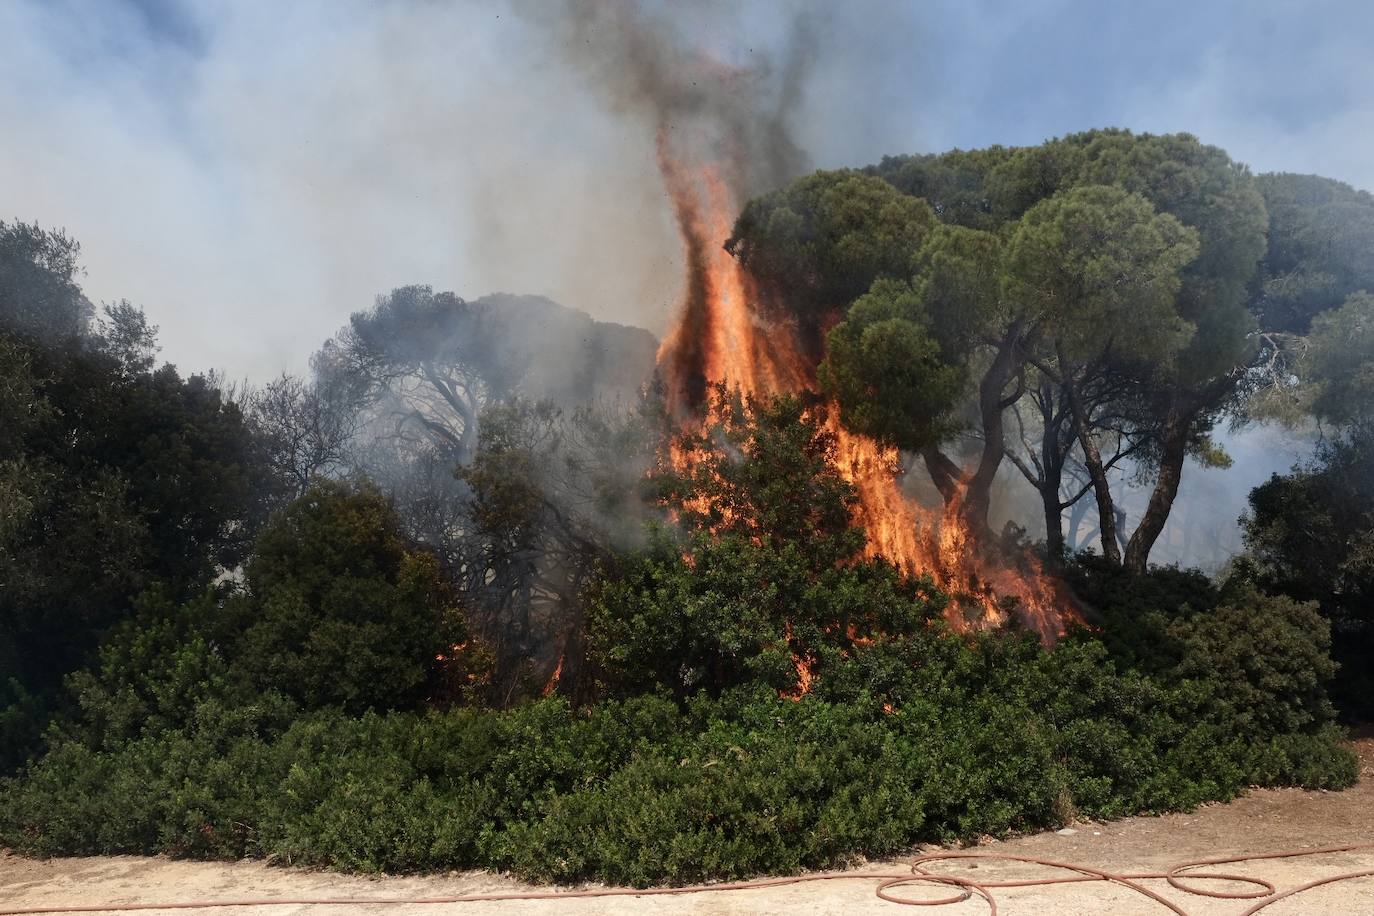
(552, 684)
(720, 337)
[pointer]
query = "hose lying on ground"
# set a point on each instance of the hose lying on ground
(1262, 891)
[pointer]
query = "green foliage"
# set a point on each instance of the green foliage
(1339, 363)
(1311, 536)
(1265, 661)
(770, 700)
(884, 369)
(821, 242)
(337, 610)
(343, 611)
(908, 734)
(760, 696)
(1197, 184)
(1321, 248)
(1096, 264)
(769, 576)
(1105, 269)
(114, 478)
(721, 612)
(708, 759)
(764, 469)
(988, 737)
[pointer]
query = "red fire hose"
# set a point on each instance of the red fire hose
(1179, 876)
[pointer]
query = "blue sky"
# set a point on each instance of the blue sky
(251, 171)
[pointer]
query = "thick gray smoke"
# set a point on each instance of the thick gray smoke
(252, 172)
(681, 73)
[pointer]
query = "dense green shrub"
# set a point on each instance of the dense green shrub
(1311, 536)
(336, 610)
(962, 739)
(343, 610)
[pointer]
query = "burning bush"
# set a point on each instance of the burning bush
(771, 578)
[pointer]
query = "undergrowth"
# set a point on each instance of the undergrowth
(996, 737)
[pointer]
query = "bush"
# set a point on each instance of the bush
(343, 611)
(962, 739)
(1265, 661)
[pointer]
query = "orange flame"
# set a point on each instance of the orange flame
(803, 666)
(720, 337)
(552, 684)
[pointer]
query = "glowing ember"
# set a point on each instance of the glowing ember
(720, 338)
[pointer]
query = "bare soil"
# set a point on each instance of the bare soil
(1262, 821)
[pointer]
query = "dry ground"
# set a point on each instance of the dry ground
(1264, 820)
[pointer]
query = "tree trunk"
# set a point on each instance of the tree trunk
(1054, 528)
(1173, 448)
(1052, 456)
(992, 404)
(944, 473)
(1092, 460)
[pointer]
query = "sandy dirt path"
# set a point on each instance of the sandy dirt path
(1264, 820)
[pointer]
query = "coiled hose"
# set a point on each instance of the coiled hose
(1183, 877)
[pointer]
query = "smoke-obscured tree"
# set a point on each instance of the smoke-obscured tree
(1310, 533)
(40, 298)
(554, 495)
(423, 365)
(413, 360)
(123, 333)
(1338, 365)
(1321, 252)
(518, 515)
(303, 432)
(1321, 249)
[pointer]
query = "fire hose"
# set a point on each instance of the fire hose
(1182, 877)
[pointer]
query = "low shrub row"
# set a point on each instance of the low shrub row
(991, 736)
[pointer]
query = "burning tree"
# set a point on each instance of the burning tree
(1108, 280)
(753, 319)
(1149, 379)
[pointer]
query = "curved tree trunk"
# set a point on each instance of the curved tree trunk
(969, 491)
(1174, 449)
